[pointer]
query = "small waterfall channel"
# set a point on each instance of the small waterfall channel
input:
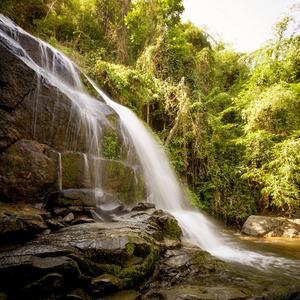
(162, 186)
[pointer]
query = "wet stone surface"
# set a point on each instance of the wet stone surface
(140, 255)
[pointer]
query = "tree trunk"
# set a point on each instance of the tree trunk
(181, 109)
(122, 44)
(173, 130)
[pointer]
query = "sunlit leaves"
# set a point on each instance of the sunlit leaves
(270, 107)
(275, 110)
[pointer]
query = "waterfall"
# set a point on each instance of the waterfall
(162, 186)
(165, 192)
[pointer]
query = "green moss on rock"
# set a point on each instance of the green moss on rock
(123, 181)
(171, 229)
(169, 225)
(136, 273)
(110, 147)
(130, 249)
(70, 169)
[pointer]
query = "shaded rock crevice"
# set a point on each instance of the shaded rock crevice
(6, 108)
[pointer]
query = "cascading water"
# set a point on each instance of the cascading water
(51, 65)
(163, 188)
(165, 192)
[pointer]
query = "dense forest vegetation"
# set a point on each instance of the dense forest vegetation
(230, 122)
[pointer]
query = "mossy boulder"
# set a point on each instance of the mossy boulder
(128, 252)
(43, 287)
(69, 251)
(160, 224)
(169, 225)
(187, 261)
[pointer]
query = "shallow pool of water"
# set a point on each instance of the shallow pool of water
(270, 259)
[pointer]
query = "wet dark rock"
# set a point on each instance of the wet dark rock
(82, 197)
(143, 206)
(127, 252)
(95, 216)
(40, 121)
(124, 295)
(189, 292)
(106, 210)
(43, 287)
(106, 284)
(26, 269)
(124, 181)
(275, 291)
(88, 209)
(168, 223)
(20, 221)
(106, 259)
(82, 220)
(76, 209)
(24, 116)
(158, 223)
(28, 172)
(271, 226)
(78, 294)
(68, 218)
(60, 211)
(186, 261)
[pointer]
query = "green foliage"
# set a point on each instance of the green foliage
(276, 110)
(169, 11)
(142, 22)
(230, 71)
(169, 59)
(269, 105)
(24, 12)
(6, 8)
(126, 85)
(282, 173)
(195, 36)
(110, 148)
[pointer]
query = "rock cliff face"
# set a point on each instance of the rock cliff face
(51, 132)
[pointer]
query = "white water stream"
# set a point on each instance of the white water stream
(165, 192)
(163, 188)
